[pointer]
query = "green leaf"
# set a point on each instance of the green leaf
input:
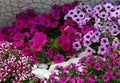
(41, 58)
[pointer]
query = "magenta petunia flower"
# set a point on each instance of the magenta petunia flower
(114, 55)
(54, 24)
(36, 46)
(85, 29)
(70, 80)
(58, 58)
(80, 80)
(41, 38)
(90, 80)
(98, 67)
(105, 78)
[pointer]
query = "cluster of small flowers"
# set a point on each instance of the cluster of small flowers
(68, 74)
(4, 47)
(98, 26)
(14, 66)
(90, 69)
(30, 33)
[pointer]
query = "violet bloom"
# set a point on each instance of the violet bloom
(66, 8)
(115, 32)
(108, 65)
(108, 6)
(85, 29)
(36, 46)
(114, 55)
(102, 49)
(110, 73)
(90, 80)
(98, 67)
(80, 80)
(103, 15)
(86, 43)
(89, 51)
(70, 80)
(95, 38)
(19, 24)
(58, 58)
(41, 38)
(30, 24)
(76, 45)
(104, 41)
(97, 7)
(87, 36)
(115, 42)
(105, 78)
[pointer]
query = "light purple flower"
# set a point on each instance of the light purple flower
(102, 49)
(86, 43)
(115, 32)
(115, 42)
(108, 6)
(97, 7)
(89, 51)
(104, 41)
(76, 45)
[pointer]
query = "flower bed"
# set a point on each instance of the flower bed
(60, 35)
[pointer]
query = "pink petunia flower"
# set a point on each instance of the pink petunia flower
(58, 58)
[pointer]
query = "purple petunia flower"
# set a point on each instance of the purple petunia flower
(71, 80)
(114, 32)
(115, 42)
(86, 43)
(58, 58)
(104, 41)
(114, 55)
(76, 45)
(90, 80)
(89, 51)
(105, 78)
(80, 80)
(98, 67)
(108, 6)
(102, 49)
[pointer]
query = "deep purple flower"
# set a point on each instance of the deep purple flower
(104, 41)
